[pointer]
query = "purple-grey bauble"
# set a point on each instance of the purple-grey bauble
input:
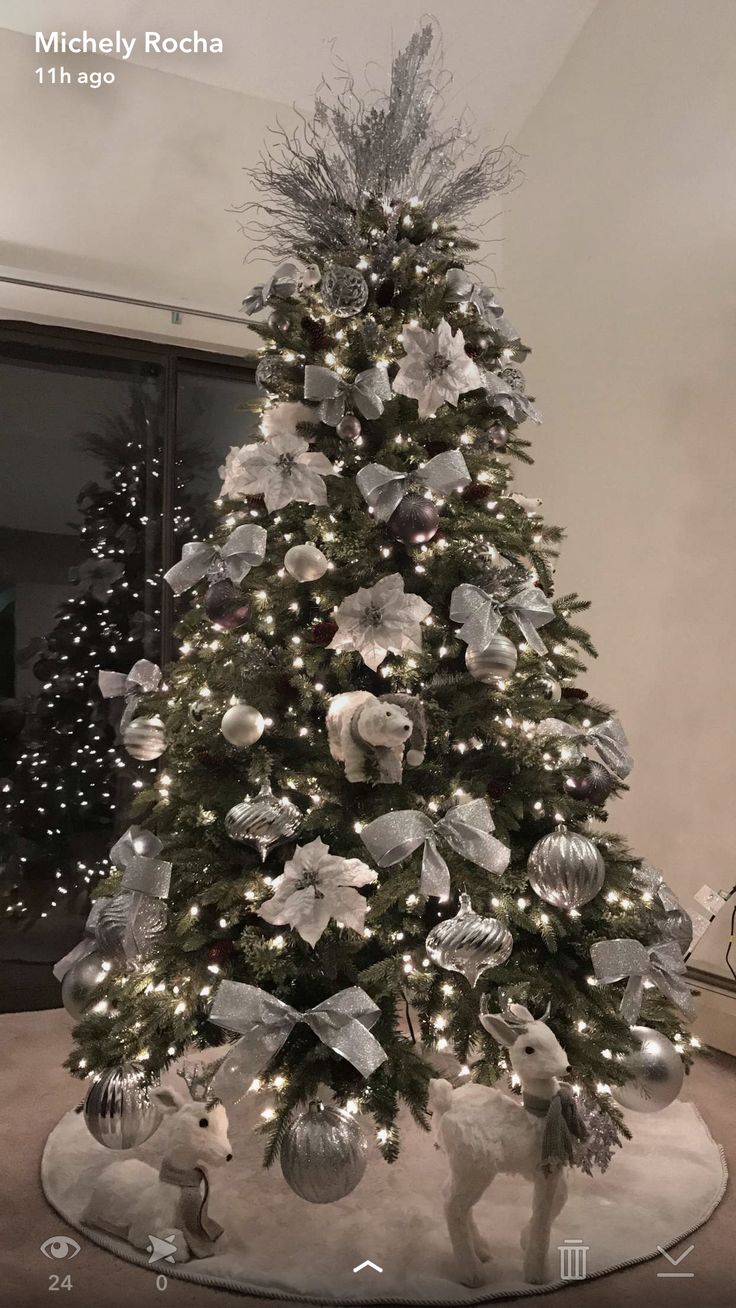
(324, 1154)
(226, 605)
(498, 436)
(117, 1110)
(594, 783)
(414, 521)
(349, 428)
(494, 663)
(565, 869)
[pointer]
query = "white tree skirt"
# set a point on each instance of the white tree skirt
(658, 1189)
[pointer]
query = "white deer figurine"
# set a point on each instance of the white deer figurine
(136, 1201)
(485, 1132)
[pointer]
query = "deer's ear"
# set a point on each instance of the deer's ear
(500, 1030)
(167, 1098)
(518, 1010)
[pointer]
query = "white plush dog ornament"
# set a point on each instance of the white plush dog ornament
(363, 727)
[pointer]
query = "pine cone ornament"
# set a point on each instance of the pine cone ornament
(476, 490)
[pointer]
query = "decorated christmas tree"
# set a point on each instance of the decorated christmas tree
(381, 818)
(69, 775)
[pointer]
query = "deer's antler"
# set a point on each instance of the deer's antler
(198, 1079)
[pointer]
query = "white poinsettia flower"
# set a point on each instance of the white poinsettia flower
(284, 419)
(282, 469)
(435, 370)
(316, 886)
(379, 619)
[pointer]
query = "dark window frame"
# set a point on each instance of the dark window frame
(173, 360)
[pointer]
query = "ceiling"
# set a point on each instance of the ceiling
(509, 50)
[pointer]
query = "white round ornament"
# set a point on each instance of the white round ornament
(242, 725)
(305, 562)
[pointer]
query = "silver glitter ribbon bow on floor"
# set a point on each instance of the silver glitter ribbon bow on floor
(143, 678)
(466, 828)
(283, 285)
(607, 739)
(342, 1022)
(383, 488)
(245, 548)
(662, 965)
(481, 612)
(462, 289)
(368, 393)
(144, 874)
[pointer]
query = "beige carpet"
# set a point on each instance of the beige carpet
(36, 1091)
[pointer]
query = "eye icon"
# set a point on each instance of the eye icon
(60, 1246)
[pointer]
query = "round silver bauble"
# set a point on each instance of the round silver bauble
(129, 926)
(79, 985)
(677, 925)
(324, 1154)
(593, 784)
(565, 869)
(344, 291)
(117, 1109)
(494, 663)
(349, 428)
(655, 1070)
(551, 689)
(264, 821)
(225, 604)
(414, 521)
(279, 321)
(305, 562)
(469, 943)
(242, 725)
(271, 372)
(145, 738)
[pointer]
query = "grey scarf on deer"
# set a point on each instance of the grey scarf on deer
(563, 1126)
(200, 1231)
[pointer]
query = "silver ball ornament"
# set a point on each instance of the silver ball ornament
(656, 1073)
(79, 985)
(344, 291)
(264, 821)
(469, 943)
(414, 521)
(145, 738)
(117, 1110)
(305, 562)
(494, 663)
(279, 321)
(677, 925)
(324, 1154)
(565, 869)
(242, 725)
(349, 428)
(129, 926)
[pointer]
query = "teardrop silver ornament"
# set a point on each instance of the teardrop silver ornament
(469, 943)
(566, 869)
(264, 821)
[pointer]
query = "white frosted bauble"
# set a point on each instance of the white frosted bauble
(242, 725)
(305, 562)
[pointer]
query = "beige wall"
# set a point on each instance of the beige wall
(620, 267)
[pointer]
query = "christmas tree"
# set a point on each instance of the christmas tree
(70, 775)
(383, 802)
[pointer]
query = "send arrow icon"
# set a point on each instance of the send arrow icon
(362, 1266)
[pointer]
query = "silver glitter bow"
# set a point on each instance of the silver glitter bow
(143, 677)
(608, 739)
(466, 828)
(367, 393)
(481, 613)
(342, 1022)
(384, 488)
(244, 549)
(283, 285)
(461, 289)
(649, 879)
(144, 874)
(662, 965)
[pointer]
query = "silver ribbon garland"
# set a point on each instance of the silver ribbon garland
(462, 289)
(342, 1022)
(143, 678)
(245, 548)
(383, 488)
(662, 965)
(144, 874)
(466, 828)
(481, 614)
(283, 285)
(367, 393)
(608, 739)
